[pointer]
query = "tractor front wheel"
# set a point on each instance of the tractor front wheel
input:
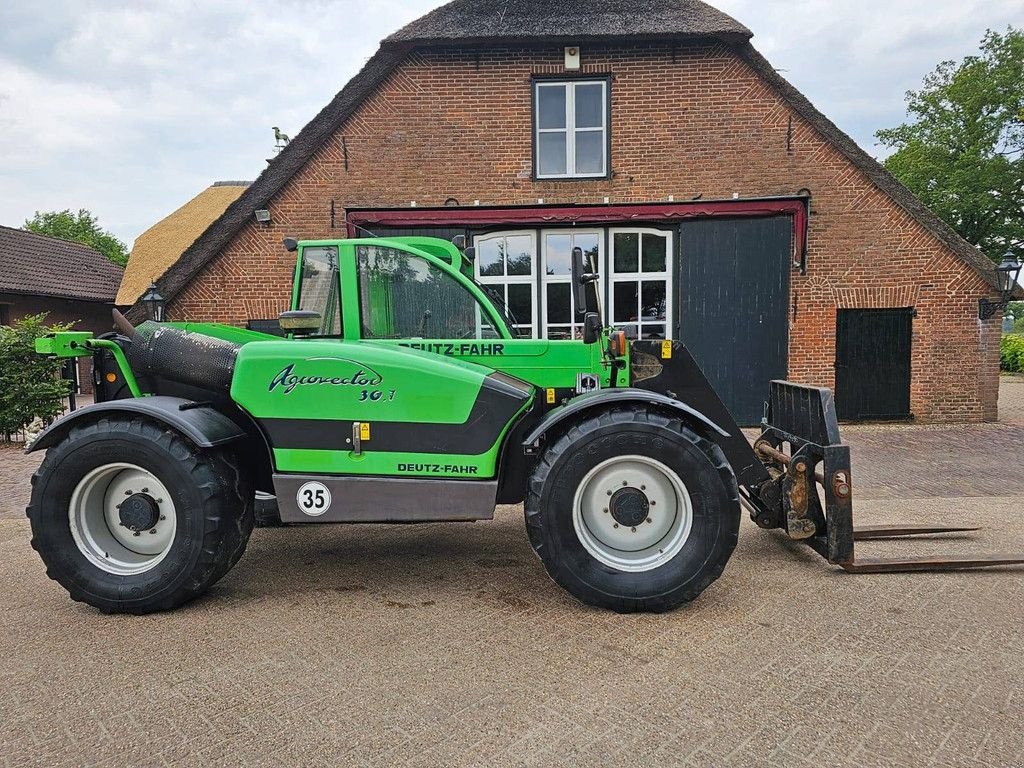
(633, 511)
(130, 517)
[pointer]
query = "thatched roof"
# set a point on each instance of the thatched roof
(160, 246)
(473, 22)
(529, 20)
(37, 265)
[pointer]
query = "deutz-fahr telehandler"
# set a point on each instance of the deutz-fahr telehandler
(402, 394)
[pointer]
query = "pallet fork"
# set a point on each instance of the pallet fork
(801, 448)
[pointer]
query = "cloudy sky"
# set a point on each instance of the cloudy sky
(130, 108)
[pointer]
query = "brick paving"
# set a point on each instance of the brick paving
(446, 645)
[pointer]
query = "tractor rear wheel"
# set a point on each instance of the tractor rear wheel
(130, 517)
(633, 511)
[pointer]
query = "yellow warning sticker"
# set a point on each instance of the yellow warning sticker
(666, 350)
(550, 396)
(364, 430)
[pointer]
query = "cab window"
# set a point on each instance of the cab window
(319, 289)
(404, 296)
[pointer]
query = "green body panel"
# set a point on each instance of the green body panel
(230, 333)
(540, 362)
(289, 384)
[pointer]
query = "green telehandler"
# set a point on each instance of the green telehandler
(402, 394)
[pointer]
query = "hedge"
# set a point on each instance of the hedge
(30, 384)
(1011, 353)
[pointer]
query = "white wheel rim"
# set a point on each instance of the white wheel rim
(607, 508)
(97, 526)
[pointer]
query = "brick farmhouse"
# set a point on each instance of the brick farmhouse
(722, 208)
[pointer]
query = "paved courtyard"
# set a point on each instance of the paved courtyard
(447, 645)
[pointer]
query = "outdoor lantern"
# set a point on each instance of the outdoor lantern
(154, 304)
(1006, 278)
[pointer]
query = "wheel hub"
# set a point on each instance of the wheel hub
(629, 506)
(139, 512)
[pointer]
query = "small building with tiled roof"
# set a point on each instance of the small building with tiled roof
(160, 246)
(71, 282)
(722, 208)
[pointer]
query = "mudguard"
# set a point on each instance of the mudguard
(199, 423)
(604, 397)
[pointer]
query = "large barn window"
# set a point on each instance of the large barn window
(507, 262)
(571, 129)
(640, 275)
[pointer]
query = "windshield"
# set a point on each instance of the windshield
(319, 287)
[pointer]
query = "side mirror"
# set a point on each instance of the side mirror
(581, 278)
(301, 322)
(591, 328)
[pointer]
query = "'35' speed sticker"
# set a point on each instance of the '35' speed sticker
(313, 498)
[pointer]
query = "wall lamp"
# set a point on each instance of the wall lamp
(1006, 277)
(262, 215)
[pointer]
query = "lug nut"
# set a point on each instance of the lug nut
(609, 493)
(653, 502)
(624, 482)
(128, 492)
(633, 529)
(616, 525)
(163, 517)
(137, 533)
(153, 530)
(649, 520)
(643, 487)
(606, 511)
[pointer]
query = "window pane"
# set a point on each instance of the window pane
(653, 332)
(520, 302)
(489, 254)
(590, 106)
(557, 253)
(405, 296)
(626, 247)
(625, 301)
(590, 152)
(559, 303)
(318, 289)
(654, 253)
(520, 255)
(652, 300)
(559, 332)
(551, 154)
(551, 106)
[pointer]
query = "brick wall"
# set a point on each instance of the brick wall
(685, 121)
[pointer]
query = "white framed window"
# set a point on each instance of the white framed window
(571, 128)
(640, 282)
(507, 262)
(560, 320)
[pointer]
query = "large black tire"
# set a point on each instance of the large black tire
(600, 441)
(213, 513)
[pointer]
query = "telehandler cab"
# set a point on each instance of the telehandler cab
(402, 394)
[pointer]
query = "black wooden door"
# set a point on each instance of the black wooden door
(733, 305)
(873, 363)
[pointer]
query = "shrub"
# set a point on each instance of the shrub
(1011, 353)
(30, 384)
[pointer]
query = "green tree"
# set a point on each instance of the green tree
(30, 386)
(963, 152)
(83, 228)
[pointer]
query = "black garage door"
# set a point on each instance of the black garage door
(734, 300)
(873, 363)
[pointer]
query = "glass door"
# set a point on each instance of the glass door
(560, 320)
(639, 280)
